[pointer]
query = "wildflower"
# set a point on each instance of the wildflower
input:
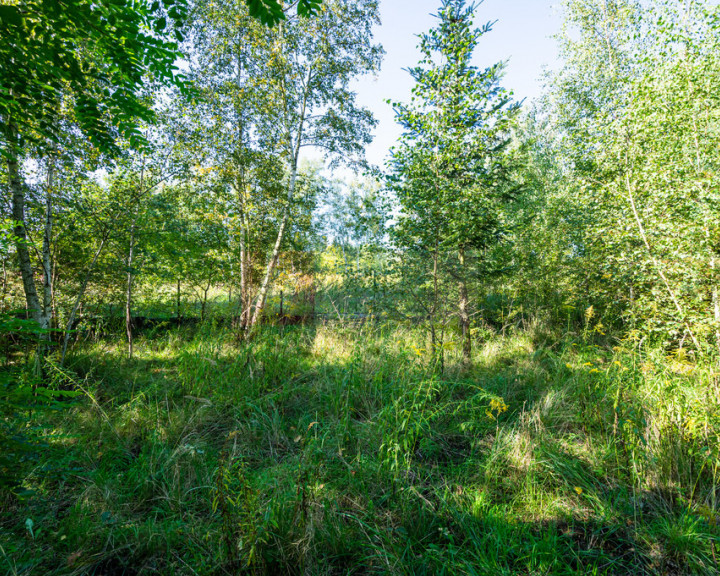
(497, 407)
(578, 490)
(589, 313)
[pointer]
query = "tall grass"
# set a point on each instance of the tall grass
(341, 450)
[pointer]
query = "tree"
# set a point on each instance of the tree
(84, 61)
(91, 56)
(98, 54)
(274, 92)
(220, 130)
(451, 170)
(635, 106)
(309, 65)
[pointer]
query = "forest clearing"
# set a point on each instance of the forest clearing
(231, 344)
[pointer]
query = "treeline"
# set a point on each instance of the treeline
(171, 170)
(165, 149)
(595, 209)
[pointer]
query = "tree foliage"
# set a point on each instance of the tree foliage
(452, 171)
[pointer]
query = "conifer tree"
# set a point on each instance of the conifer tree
(451, 170)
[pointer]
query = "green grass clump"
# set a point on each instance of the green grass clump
(342, 450)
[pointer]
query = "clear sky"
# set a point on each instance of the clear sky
(522, 36)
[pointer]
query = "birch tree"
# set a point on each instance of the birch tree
(271, 93)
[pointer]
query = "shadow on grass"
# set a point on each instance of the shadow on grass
(318, 451)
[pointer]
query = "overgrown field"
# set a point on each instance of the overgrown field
(340, 450)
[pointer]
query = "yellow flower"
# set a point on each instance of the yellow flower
(498, 405)
(578, 490)
(589, 313)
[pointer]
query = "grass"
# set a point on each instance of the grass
(340, 450)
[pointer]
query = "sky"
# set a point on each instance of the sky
(521, 35)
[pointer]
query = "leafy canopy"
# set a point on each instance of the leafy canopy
(91, 56)
(271, 12)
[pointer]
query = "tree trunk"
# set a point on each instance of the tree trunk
(17, 188)
(716, 309)
(272, 263)
(294, 154)
(55, 276)
(241, 188)
(46, 253)
(715, 300)
(131, 249)
(177, 301)
(204, 302)
(265, 286)
(3, 296)
(442, 348)
(128, 293)
(244, 274)
(433, 310)
(463, 312)
(658, 268)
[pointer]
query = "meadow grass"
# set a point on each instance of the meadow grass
(340, 449)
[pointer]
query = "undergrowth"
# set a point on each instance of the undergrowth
(342, 450)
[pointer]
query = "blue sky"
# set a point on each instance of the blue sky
(522, 35)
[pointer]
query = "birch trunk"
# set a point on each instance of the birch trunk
(244, 292)
(656, 263)
(293, 154)
(270, 269)
(240, 185)
(434, 309)
(244, 258)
